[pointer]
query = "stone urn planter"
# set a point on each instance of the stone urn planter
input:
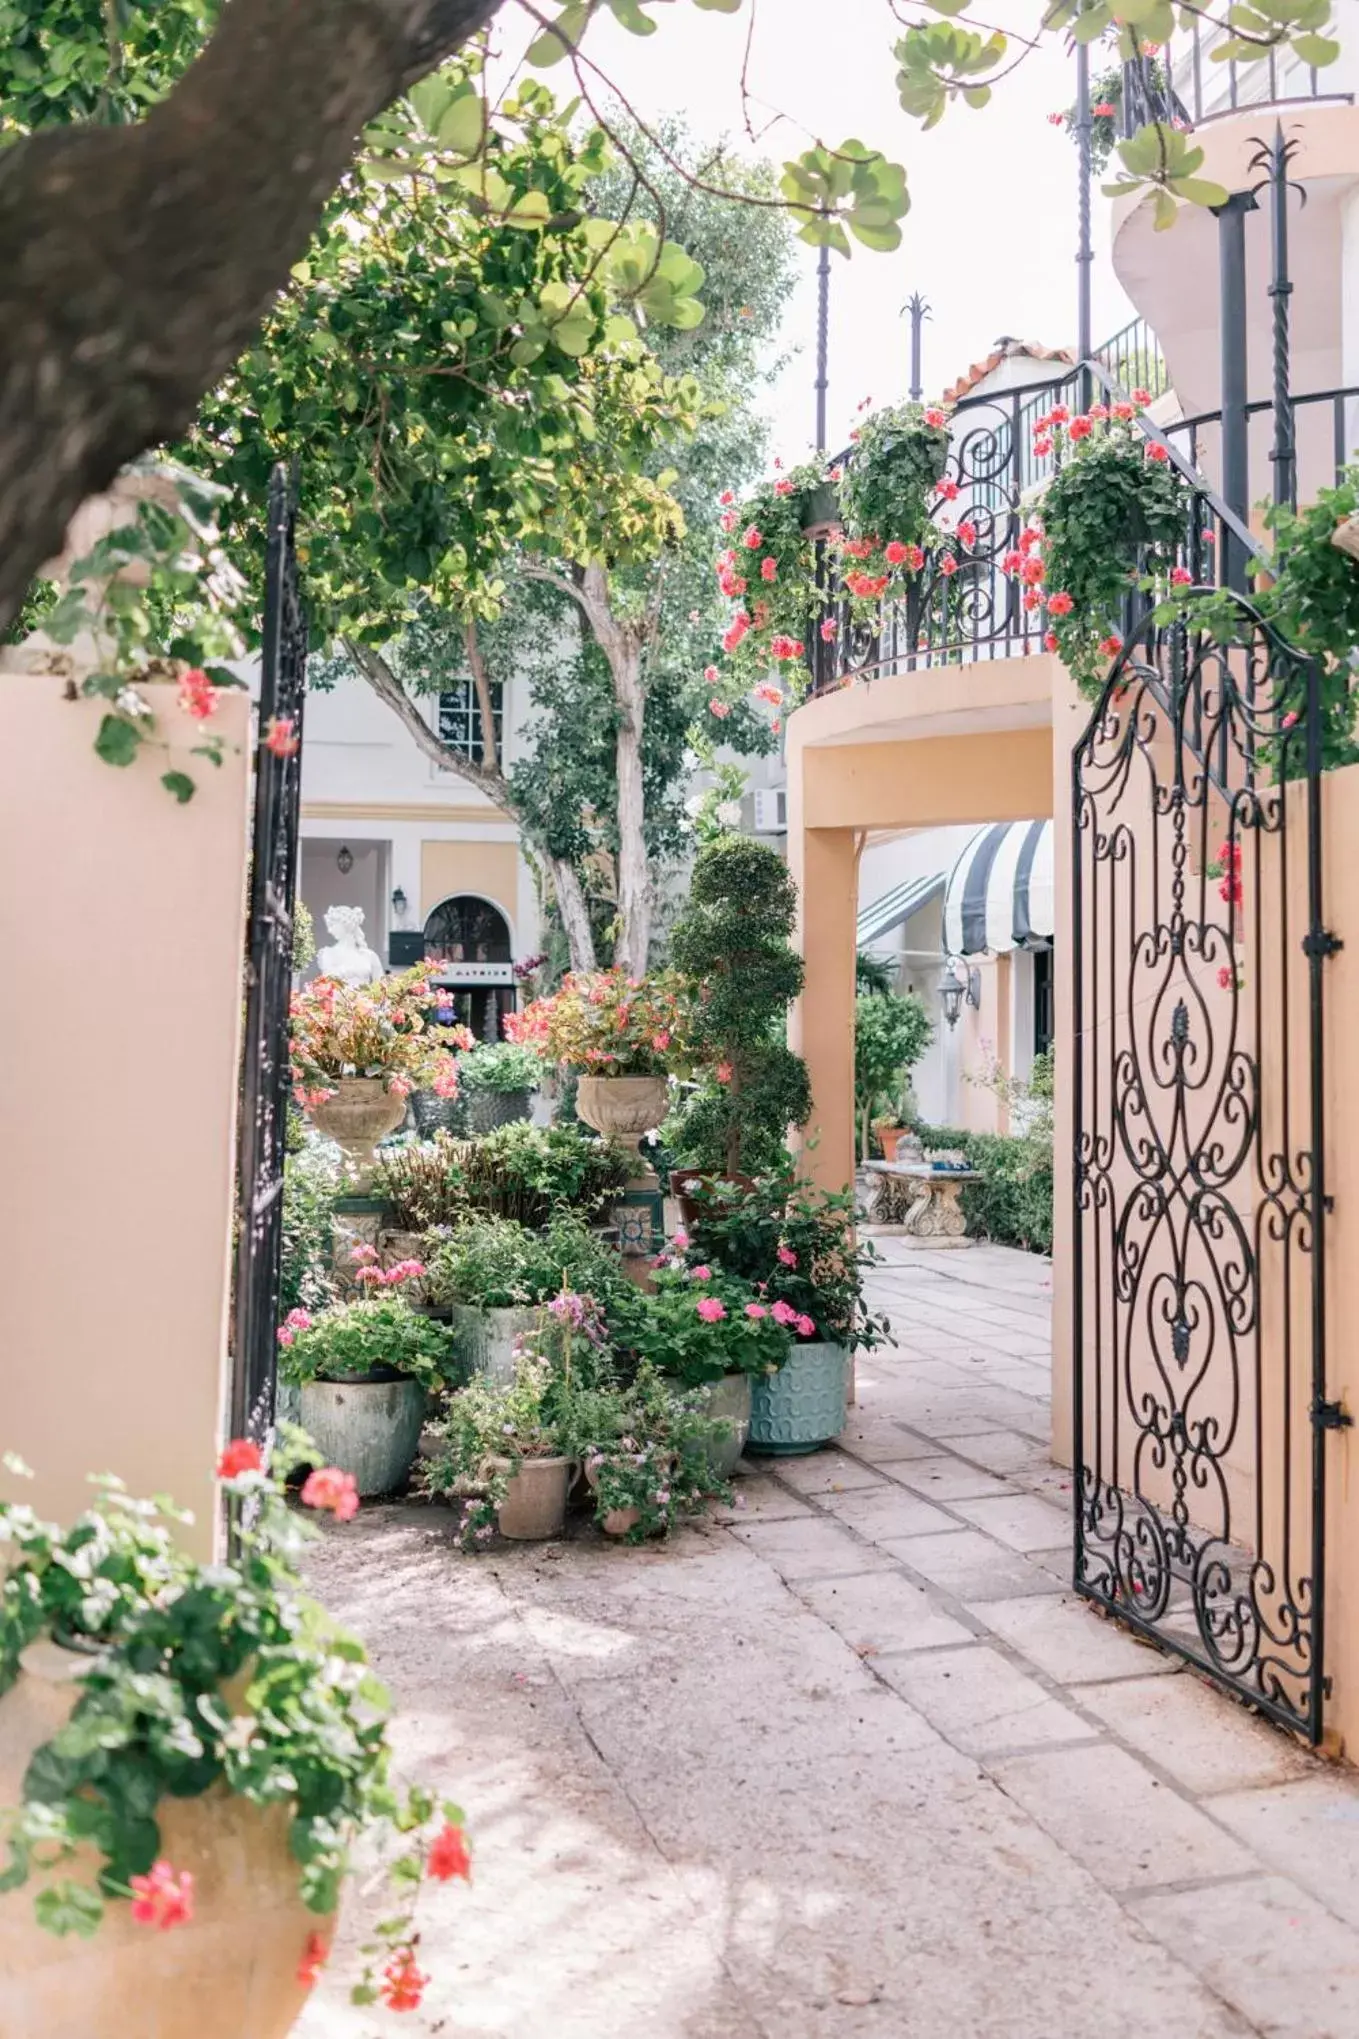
(622, 1108)
(534, 1506)
(360, 1114)
(487, 1109)
(370, 1428)
(803, 1405)
(231, 1970)
(729, 1400)
(487, 1338)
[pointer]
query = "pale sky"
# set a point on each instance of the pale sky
(990, 238)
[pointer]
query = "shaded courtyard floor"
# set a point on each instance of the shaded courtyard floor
(850, 1759)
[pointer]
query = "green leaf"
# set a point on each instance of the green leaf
(68, 1907)
(1316, 50)
(118, 741)
(180, 784)
(550, 47)
(1165, 212)
(462, 125)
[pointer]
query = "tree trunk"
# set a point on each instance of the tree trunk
(622, 645)
(575, 913)
(137, 262)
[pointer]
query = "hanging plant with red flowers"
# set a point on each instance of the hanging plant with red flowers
(767, 570)
(1112, 518)
(894, 503)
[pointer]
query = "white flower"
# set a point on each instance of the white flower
(729, 813)
(694, 804)
(131, 703)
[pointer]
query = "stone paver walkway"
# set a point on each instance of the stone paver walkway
(851, 1759)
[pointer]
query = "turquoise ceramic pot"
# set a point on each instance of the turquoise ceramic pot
(803, 1405)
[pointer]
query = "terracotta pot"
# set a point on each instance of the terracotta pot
(622, 1108)
(889, 1138)
(231, 1970)
(535, 1505)
(356, 1118)
(616, 1521)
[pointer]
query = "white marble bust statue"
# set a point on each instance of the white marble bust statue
(348, 955)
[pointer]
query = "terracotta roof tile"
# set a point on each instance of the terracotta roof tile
(1006, 349)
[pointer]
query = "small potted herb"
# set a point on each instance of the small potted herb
(366, 1370)
(706, 1328)
(498, 1078)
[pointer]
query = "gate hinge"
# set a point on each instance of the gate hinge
(1321, 942)
(1331, 1416)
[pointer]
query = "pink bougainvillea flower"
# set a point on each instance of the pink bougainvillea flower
(312, 1962)
(723, 1072)
(805, 1328)
(197, 695)
(756, 1310)
(787, 1256)
(448, 1855)
(1051, 641)
(1180, 576)
(162, 1898)
(281, 736)
(1060, 604)
(333, 1490)
(935, 417)
(403, 1983)
(711, 1309)
(240, 1456)
(783, 1313)
(752, 538)
(721, 709)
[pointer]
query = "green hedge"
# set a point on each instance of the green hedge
(1013, 1204)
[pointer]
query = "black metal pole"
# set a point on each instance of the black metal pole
(1231, 219)
(1284, 451)
(919, 311)
(1085, 254)
(822, 344)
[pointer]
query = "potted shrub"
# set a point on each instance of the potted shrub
(797, 1246)
(498, 1079)
(508, 1447)
(495, 1277)
(706, 1328)
(530, 1173)
(419, 1182)
(650, 1459)
(891, 1032)
(622, 1034)
(732, 942)
(187, 1834)
(359, 1051)
(365, 1370)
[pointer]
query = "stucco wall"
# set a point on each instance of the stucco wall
(122, 929)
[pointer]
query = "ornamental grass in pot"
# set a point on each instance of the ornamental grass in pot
(797, 1245)
(358, 1052)
(365, 1371)
(188, 1755)
(705, 1328)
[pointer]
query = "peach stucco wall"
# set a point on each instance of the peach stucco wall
(122, 931)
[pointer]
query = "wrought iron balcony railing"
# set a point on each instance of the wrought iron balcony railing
(1185, 84)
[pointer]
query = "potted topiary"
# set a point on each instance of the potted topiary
(706, 1328)
(357, 1054)
(732, 943)
(365, 1370)
(187, 1755)
(495, 1277)
(891, 1032)
(498, 1079)
(797, 1246)
(622, 1034)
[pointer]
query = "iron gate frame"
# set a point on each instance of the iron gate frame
(1152, 652)
(263, 1123)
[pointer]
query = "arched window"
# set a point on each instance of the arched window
(465, 929)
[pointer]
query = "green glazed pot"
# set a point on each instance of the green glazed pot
(803, 1405)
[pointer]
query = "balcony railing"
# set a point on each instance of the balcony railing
(1186, 85)
(977, 612)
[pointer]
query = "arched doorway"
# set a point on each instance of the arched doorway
(468, 949)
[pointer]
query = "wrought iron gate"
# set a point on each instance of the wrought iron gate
(273, 880)
(1200, 1410)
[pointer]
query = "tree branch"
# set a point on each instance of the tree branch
(490, 750)
(388, 688)
(137, 262)
(560, 582)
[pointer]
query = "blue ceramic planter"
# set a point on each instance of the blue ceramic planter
(803, 1405)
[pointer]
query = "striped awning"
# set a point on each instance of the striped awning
(999, 893)
(895, 906)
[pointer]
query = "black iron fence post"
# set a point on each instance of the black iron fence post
(1235, 389)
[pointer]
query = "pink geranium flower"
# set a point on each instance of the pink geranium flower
(703, 1273)
(787, 1256)
(162, 1898)
(711, 1309)
(783, 1313)
(333, 1490)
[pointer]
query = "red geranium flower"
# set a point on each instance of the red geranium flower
(313, 1961)
(448, 1855)
(403, 1983)
(1060, 604)
(240, 1456)
(162, 1898)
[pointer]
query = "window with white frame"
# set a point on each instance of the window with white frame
(460, 720)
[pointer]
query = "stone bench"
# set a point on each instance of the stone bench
(920, 1202)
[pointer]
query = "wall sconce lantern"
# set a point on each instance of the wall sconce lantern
(958, 985)
(398, 902)
(345, 860)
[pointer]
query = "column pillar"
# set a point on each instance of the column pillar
(825, 866)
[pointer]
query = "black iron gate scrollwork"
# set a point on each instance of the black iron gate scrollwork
(1199, 1378)
(262, 1137)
